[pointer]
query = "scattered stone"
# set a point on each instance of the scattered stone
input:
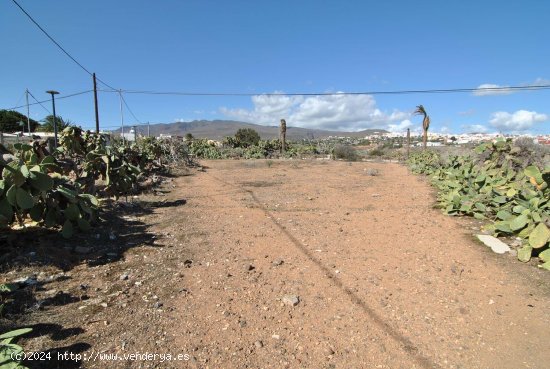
(158, 305)
(494, 243)
(82, 249)
(259, 344)
(291, 300)
(242, 323)
(124, 276)
(276, 337)
(187, 263)
(277, 262)
(8, 157)
(26, 281)
(249, 267)
(103, 304)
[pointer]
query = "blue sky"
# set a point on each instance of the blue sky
(289, 47)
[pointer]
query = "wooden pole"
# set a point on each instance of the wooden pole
(28, 112)
(408, 142)
(95, 105)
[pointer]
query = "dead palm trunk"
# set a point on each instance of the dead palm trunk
(283, 135)
(425, 124)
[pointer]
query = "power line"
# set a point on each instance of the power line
(130, 110)
(57, 44)
(394, 92)
(38, 102)
(18, 101)
(57, 98)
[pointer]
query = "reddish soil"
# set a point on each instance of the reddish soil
(383, 279)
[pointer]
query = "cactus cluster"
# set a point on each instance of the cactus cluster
(34, 187)
(498, 184)
(61, 189)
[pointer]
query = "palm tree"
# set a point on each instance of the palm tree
(425, 123)
(61, 123)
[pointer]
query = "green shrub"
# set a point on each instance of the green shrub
(345, 152)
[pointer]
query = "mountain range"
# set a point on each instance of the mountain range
(218, 129)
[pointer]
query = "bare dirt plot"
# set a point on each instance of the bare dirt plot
(383, 280)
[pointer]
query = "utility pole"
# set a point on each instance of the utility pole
(121, 118)
(148, 130)
(95, 103)
(135, 133)
(408, 142)
(53, 93)
(28, 114)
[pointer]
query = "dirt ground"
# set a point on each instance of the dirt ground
(212, 266)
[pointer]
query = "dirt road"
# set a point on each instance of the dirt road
(383, 279)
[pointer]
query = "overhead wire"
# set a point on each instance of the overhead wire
(130, 110)
(391, 92)
(57, 98)
(38, 102)
(59, 45)
(18, 101)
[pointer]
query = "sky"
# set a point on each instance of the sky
(285, 47)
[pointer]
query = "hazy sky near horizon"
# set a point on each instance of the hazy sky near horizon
(285, 46)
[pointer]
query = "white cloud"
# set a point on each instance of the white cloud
(541, 82)
(520, 120)
(467, 113)
(333, 112)
(402, 127)
(475, 128)
(487, 89)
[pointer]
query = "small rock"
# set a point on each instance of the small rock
(103, 304)
(158, 305)
(249, 267)
(329, 351)
(259, 344)
(277, 262)
(82, 249)
(291, 300)
(187, 263)
(242, 323)
(124, 277)
(26, 281)
(276, 337)
(494, 243)
(8, 157)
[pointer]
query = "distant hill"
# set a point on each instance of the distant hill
(218, 129)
